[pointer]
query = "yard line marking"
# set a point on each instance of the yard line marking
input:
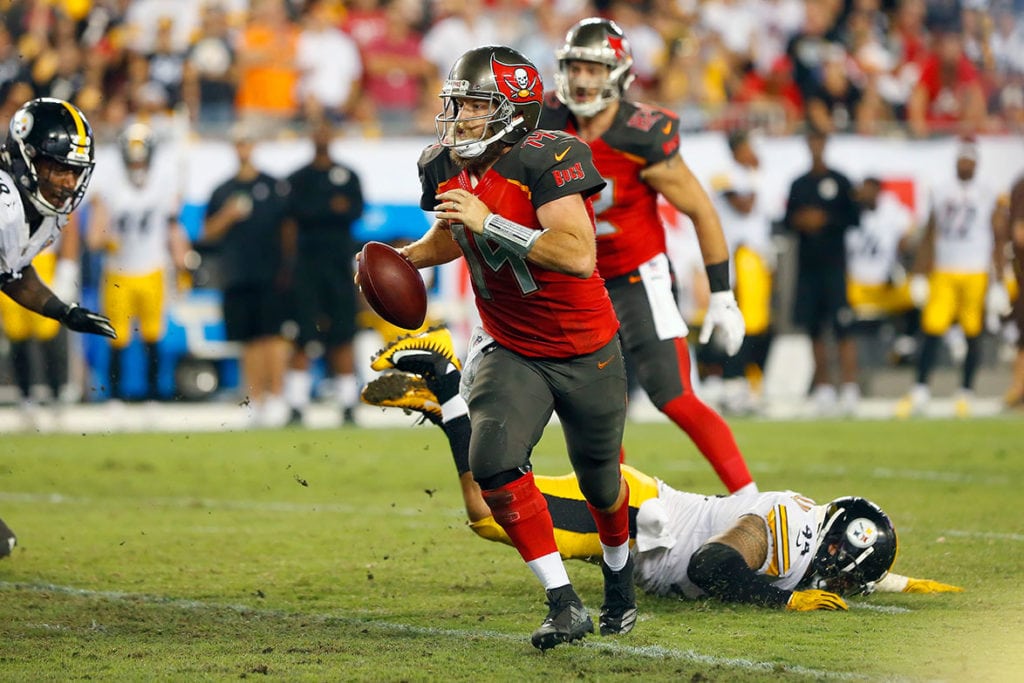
(885, 609)
(995, 535)
(651, 651)
(208, 503)
(918, 475)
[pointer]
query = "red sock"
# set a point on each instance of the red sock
(613, 527)
(520, 509)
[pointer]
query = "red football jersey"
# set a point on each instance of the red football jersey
(629, 229)
(535, 312)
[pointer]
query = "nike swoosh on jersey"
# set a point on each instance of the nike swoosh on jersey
(667, 129)
(559, 157)
(633, 279)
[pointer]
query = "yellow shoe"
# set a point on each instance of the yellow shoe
(913, 403)
(904, 408)
(427, 354)
(962, 406)
(403, 390)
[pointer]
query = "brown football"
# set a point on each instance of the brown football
(392, 286)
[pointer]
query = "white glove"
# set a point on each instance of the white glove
(997, 305)
(65, 280)
(724, 314)
(919, 290)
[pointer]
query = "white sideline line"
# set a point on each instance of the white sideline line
(650, 651)
(203, 503)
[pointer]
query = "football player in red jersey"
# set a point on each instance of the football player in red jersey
(636, 149)
(513, 201)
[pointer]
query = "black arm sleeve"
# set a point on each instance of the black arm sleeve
(720, 571)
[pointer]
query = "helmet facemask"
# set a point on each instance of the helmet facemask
(856, 549)
(598, 41)
(53, 196)
(499, 120)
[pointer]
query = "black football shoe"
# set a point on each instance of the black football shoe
(567, 620)
(7, 540)
(618, 613)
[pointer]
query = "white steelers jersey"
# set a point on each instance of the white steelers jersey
(139, 217)
(17, 247)
(791, 520)
(753, 229)
(872, 248)
(963, 227)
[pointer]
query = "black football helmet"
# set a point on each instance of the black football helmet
(55, 133)
(601, 41)
(857, 547)
(137, 144)
(501, 76)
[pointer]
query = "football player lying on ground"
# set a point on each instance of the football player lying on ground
(773, 549)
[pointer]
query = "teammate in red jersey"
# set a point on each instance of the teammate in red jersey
(636, 149)
(513, 201)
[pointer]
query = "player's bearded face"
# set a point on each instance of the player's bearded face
(473, 124)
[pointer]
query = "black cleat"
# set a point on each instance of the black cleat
(618, 613)
(567, 620)
(7, 540)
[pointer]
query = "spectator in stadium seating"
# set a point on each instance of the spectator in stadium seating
(836, 104)
(366, 20)
(166, 63)
(57, 72)
(243, 222)
(951, 276)
(1014, 397)
(400, 83)
(772, 549)
(646, 44)
(808, 49)
(747, 226)
(948, 96)
(325, 199)
(463, 24)
(268, 75)
(329, 63)
(210, 76)
(820, 209)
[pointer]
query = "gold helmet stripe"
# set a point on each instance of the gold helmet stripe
(81, 139)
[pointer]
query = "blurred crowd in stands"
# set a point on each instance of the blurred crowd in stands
(877, 67)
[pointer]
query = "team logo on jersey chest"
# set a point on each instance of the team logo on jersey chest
(644, 119)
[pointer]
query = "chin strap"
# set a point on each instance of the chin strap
(475, 149)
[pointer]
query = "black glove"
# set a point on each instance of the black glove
(83, 320)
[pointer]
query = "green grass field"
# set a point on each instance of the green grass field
(342, 555)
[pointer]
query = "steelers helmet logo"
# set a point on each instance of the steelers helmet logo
(861, 533)
(21, 125)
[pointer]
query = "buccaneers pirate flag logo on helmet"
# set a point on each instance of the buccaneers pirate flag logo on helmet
(518, 82)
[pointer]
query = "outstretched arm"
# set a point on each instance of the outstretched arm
(897, 583)
(724, 568)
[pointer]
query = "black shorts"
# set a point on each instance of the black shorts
(512, 400)
(253, 311)
(324, 299)
(820, 302)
